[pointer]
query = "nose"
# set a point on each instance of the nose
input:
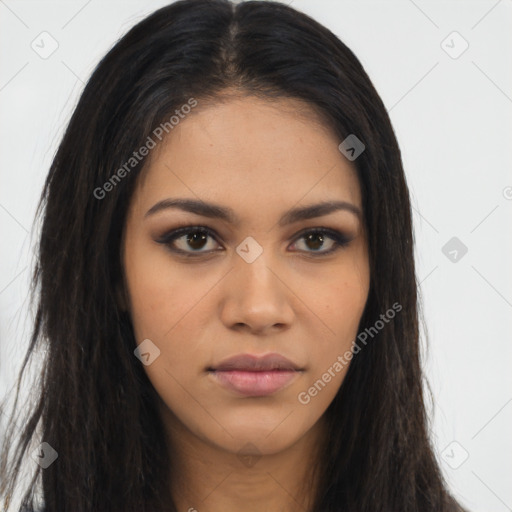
(256, 297)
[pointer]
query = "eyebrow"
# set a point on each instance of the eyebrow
(216, 211)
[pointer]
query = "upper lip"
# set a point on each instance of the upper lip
(251, 362)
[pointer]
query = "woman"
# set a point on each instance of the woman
(226, 285)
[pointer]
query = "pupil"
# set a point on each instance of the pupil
(196, 238)
(319, 237)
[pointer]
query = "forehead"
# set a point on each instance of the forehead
(251, 151)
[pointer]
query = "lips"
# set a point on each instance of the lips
(250, 362)
(253, 376)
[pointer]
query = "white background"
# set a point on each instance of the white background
(452, 117)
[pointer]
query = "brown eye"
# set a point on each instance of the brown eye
(314, 241)
(196, 240)
(322, 240)
(190, 241)
(193, 241)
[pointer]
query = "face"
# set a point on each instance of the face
(257, 280)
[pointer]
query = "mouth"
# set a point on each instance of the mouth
(254, 383)
(254, 376)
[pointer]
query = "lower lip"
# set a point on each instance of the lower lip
(262, 383)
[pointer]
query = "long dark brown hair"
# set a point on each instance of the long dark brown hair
(92, 401)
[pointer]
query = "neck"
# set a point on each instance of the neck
(209, 478)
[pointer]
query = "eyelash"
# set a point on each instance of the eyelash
(340, 240)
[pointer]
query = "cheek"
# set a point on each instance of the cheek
(168, 306)
(344, 304)
(340, 303)
(344, 289)
(160, 294)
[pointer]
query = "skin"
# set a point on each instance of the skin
(260, 159)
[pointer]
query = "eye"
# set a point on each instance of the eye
(315, 239)
(184, 239)
(192, 241)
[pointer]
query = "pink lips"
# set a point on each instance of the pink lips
(255, 375)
